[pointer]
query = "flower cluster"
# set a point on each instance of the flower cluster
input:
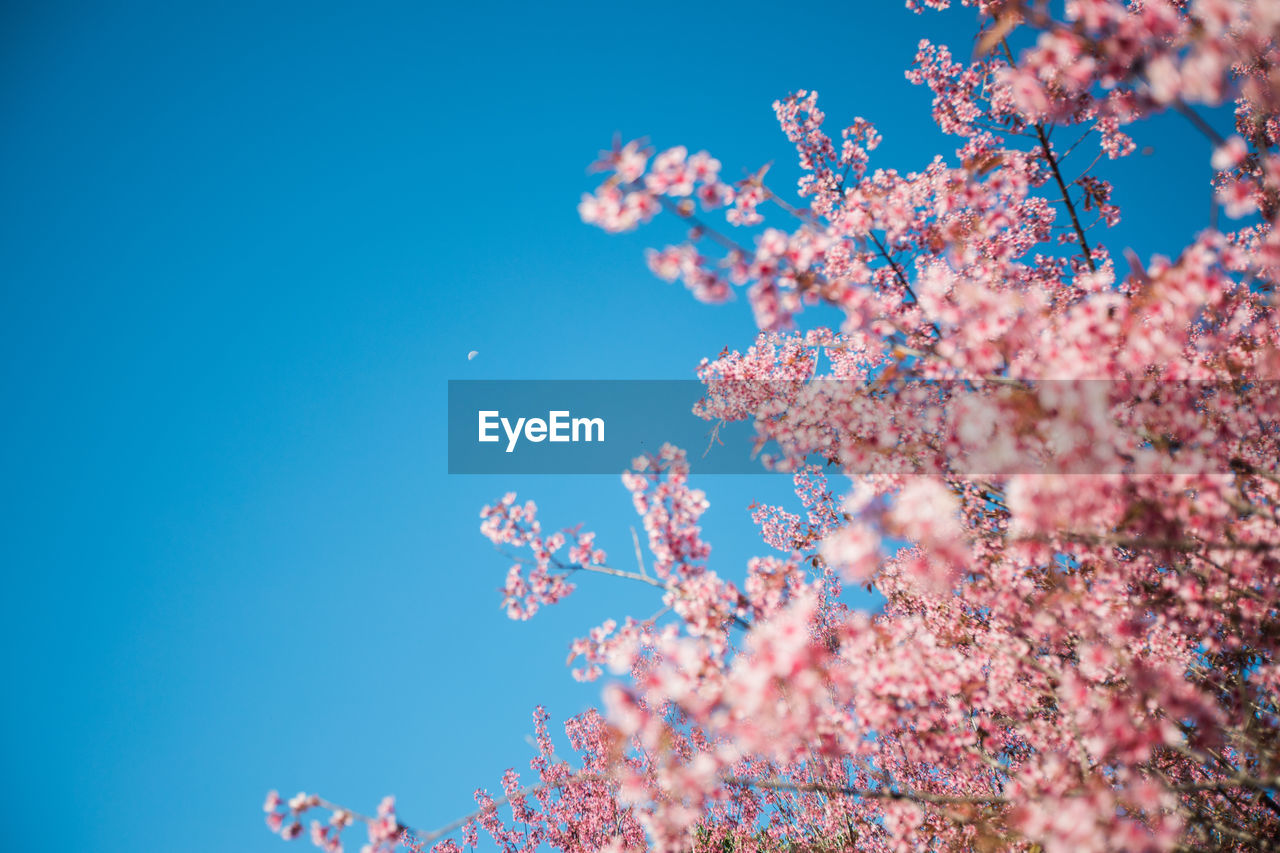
(285, 818)
(507, 523)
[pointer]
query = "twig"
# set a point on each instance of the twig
(1140, 544)
(1047, 151)
(635, 540)
(1201, 125)
(528, 791)
(868, 793)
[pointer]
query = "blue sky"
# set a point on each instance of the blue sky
(244, 246)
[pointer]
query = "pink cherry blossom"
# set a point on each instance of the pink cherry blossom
(1230, 154)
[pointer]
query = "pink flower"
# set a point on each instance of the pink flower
(1163, 77)
(854, 549)
(387, 807)
(1238, 198)
(1230, 154)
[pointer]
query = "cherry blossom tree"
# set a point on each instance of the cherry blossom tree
(1057, 467)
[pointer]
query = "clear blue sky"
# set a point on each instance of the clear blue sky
(243, 248)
